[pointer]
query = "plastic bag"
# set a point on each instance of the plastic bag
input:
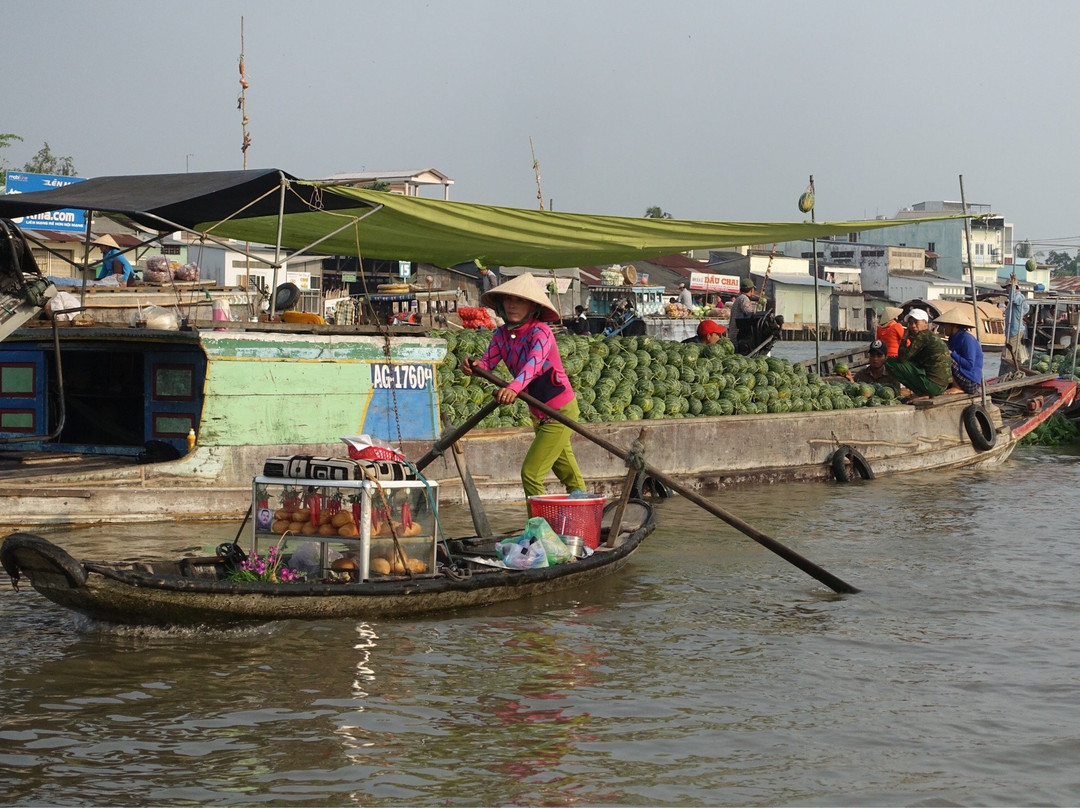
(187, 272)
(161, 319)
(522, 553)
(554, 547)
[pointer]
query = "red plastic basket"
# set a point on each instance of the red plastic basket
(571, 517)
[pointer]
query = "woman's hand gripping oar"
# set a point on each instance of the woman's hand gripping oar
(786, 553)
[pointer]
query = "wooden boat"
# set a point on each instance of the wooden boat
(197, 591)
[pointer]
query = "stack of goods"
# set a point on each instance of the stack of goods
(633, 378)
(611, 277)
(158, 270)
(475, 317)
(187, 272)
(677, 310)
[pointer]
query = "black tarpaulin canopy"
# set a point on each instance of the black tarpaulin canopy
(160, 201)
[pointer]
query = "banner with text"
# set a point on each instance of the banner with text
(67, 219)
(711, 282)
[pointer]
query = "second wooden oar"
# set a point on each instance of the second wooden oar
(786, 553)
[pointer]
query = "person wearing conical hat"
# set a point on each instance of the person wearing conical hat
(113, 261)
(526, 344)
(891, 331)
(965, 352)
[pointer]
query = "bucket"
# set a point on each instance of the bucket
(575, 545)
(571, 517)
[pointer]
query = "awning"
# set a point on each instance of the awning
(338, 220)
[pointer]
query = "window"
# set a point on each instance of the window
(17, 380)
(174, 383)
(930, 247)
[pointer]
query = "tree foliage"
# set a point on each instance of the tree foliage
(656, 212)
(45, 162)
(6, 139)
(1023, 250)
(1063, 263)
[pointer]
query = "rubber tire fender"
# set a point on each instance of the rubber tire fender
(979, 427)
(646, 485)
(838, 464)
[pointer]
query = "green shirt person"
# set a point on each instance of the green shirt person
(922, 364)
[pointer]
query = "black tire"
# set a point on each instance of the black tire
(646, 486)
(979, 427)
(846, 460)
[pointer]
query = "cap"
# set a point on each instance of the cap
(682, 285)
(706, 327)
(746, 285)
(878, 347)
(917, 314)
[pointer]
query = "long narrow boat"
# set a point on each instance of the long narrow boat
(197, 591)
(132, 396)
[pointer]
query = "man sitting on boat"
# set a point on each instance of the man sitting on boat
(286, 299)
(113, 262)
(966, 356)
(875, 372)
(923, 365)
(708, 332)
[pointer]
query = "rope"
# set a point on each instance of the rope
(635, 457)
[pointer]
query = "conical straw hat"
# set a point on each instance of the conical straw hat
(106, 241)
(958, 315)
(891, 313)
(528, 287)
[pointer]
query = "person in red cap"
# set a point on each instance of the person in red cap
(708, 332)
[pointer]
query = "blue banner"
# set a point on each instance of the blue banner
(20, 182)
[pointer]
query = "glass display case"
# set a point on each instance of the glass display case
(387, 528)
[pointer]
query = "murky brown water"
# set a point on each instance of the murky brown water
(709, 672)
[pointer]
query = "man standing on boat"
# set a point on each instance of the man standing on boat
(742, 306)
(923, 365)
(891, 331)
(685, 297)
(1014, 352)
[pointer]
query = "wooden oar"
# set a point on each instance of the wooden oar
(786, 553)
(453, 436)
(476, 506)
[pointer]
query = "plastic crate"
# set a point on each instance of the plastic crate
(571, 517)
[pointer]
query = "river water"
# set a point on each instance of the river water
(708, 672)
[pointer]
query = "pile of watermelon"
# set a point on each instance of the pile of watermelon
(634, 378)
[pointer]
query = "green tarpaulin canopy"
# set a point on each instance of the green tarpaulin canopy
(392, 226)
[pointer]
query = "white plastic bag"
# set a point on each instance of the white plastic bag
(160, 318)
(522, 553)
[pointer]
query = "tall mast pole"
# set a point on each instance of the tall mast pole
(242, 102)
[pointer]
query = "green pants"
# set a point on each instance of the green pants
(550, 451)
(913, 377)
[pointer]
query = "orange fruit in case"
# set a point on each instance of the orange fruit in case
(297, 527)
(309, 529)
(281, 514)
(280, 525)
(301, 515)
(341, 518)
(327, 530)
(349, 531)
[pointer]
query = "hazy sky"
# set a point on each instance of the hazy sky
(708, 109)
